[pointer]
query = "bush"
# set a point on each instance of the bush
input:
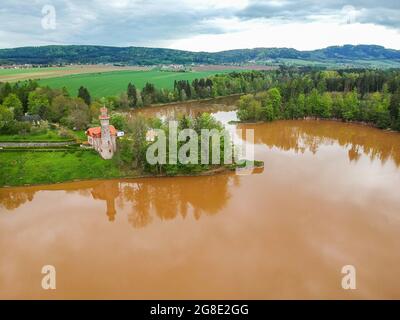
(42, 127)
(118, 121)
(65, 133)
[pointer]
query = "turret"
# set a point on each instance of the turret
(105, 124)
(107, 147)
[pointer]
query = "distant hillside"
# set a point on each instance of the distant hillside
(362, 55)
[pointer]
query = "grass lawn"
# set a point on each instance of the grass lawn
(19, 168)
(113, 83)
(80, 135)
(51, 135)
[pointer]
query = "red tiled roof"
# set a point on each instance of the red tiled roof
(96, 132)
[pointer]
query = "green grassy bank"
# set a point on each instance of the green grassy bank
(28, 167)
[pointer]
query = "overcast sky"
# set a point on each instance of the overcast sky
(204, 25)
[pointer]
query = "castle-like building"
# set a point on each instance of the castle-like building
(103, 138)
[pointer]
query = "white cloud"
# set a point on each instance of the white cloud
(208, 25)
(302, 36)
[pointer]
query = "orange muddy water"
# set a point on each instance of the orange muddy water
(328, 197)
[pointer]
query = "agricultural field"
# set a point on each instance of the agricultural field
(113, 83)
(21, 74)
(218, 67)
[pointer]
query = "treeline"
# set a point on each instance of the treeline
(83, 54)
(215, 86)
(367, 96)
(27, 107)
(132, 148)
(288, 93)
(292, 81)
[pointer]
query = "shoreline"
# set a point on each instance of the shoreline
(168, 104)
(211, 172)
(121, 173)
(359, 123)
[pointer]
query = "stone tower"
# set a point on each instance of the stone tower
(107, 145)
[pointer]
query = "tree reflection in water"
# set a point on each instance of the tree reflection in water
(165, 198)
(300, 136)
(11, 199)
(168, 198)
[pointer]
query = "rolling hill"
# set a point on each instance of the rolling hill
(359, 55)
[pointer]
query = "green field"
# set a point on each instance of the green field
(19, 168)
(4, 72)
(49, 136)
(113, 83)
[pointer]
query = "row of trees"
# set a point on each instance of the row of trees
(292, 82)
(215, 86)
(133, 147)
(363, 95)
(25, 105)
(379, 108)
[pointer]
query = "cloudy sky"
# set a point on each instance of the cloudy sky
(204, 25)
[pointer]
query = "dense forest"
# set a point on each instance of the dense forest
(25, 107)
(371, 96)
(366, 96)
(152, 56)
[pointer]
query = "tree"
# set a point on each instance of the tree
(132, 95)
(314, 104)
(123, 101)
(148, 94)
(265, 111)
(58, 108)
(326, 105)
(380, 110)
(338, 106)
(274, 96)
(184, 122)
(84, 94)
(79, 116)
(299, 109)
(94, 111)
(6, 117)
(351, 106)
(137, 129)
(5, 90)
(395, 106)
(118, 121)
(246, 106)
(13, 103)
(38, 103)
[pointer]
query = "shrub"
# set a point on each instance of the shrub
(41, 127)
(65, 133)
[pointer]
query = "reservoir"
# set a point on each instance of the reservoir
(328, 197)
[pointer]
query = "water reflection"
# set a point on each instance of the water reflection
(193, 108)
(282, 234)
(302, 136)
(11, 199)
(142, 199)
